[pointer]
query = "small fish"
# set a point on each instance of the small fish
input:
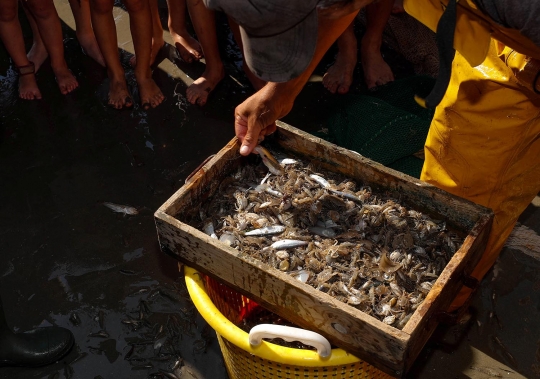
(488, 371)
(286, 161)
(125, 209)
(346, 195)
(269, 161)
(274, 229)
(101, 319)
(74, 318)
(101, 333)
(268, 190)
(209, 229)
(319, 179)
(128, 272)
(323, 232)
(129, 353)
(287, 244)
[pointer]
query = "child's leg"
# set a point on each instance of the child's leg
(140, 20)
(84, 30)
(12, 37)
(376, 70)
(187, 46)
(50, 29)
(157, 31)
(105, 31)
(157, 34)
(204, 23)
(339, 76)
(38, 53)
(256, 82)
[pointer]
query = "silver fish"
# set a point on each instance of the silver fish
(269, 160)
(286, 161)
(125, 209)
(274, 229)
(319, 179)
(209, 229)
(287, 244)
(323, 232)
(346, 195)
(268, 190)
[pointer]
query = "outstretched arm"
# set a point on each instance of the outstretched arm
(256, 116)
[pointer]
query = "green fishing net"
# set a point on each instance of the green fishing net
(386, 125)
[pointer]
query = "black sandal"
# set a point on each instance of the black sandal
(27, 69)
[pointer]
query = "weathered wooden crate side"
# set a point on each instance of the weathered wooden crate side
(189, 197)
(356, 332)
(426, 317)
(382, 345)
(385, 347)
(463, 215)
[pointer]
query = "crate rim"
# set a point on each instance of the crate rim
(266, 350)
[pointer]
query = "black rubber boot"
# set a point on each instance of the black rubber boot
(37, 347)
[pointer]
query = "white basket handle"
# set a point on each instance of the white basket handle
(288, 333)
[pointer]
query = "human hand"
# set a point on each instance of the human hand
(256, 117)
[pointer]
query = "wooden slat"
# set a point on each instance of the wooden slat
(387, 348)
(424, 320)
(365, 337)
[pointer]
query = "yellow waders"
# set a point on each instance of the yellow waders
(484, 145)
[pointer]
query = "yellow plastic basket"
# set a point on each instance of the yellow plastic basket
(267, 360)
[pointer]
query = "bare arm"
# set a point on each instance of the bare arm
(256, 116)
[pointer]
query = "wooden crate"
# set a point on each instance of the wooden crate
(387, 348)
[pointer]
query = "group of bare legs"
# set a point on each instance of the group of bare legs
(48, 42)
(377, 72)
(96, 32)
(338, 77)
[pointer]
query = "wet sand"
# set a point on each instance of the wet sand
(64, 253)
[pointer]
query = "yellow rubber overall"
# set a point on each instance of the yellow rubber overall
(484, 145)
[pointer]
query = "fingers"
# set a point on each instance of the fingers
(247, 135)
(251, 135)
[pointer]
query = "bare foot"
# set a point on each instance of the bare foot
(151, 95)
(188, 47)
(376, 70)
(90, 47)
(156, 47)
(119, 96)
(37, 54)
(28, 88)
(339, 76)
(198, 91)
(65, 79)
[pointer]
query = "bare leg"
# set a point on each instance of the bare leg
(140, 21)
(204, 23)
(105, 31)
(50, 30)
(339, 76)
(38, 53)
(157, 34)
(188, 47)
(256, 82)
(12, 37)
(84, 30)
(376, 70)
